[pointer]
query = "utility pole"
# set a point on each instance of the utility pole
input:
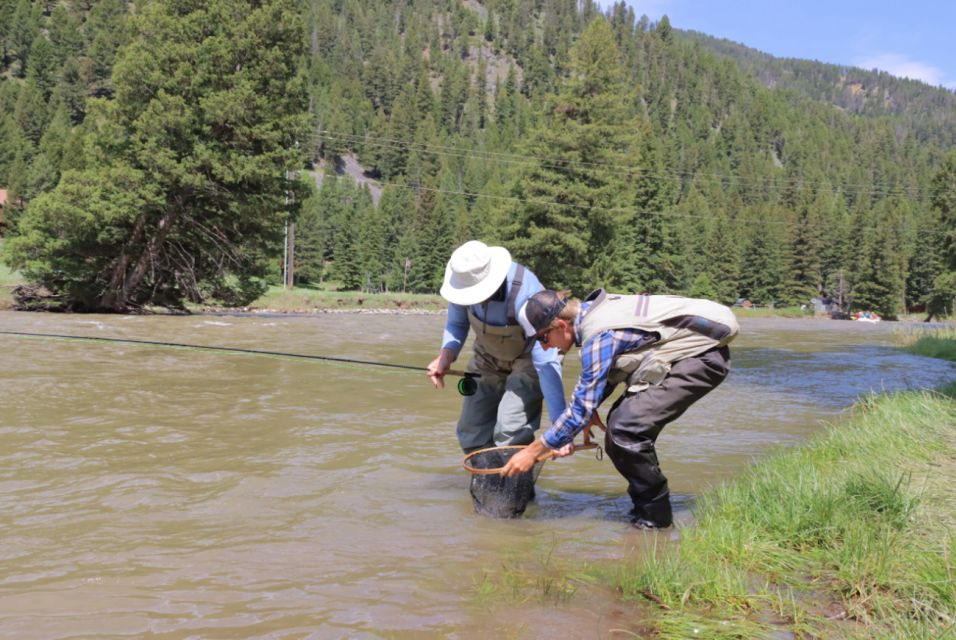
(290, 255)
(288, 259)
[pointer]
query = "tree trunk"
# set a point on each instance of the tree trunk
(116, 298)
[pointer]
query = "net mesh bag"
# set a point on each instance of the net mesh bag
(494, 495)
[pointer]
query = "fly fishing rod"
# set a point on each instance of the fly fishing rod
(466, 386)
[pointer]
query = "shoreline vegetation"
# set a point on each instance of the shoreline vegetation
(850, 535)
(304, 301)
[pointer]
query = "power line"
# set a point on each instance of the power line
(545, 203)
(519, 159)
(181, 345)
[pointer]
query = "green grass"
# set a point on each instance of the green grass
(8, 278)
(301, 299)
(850, 535)
(773, 312)
(933, 342)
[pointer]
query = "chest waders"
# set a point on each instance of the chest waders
(689, 359)
(506, 406)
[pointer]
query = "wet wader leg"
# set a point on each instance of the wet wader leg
(637, 419)
(479, 414)
(519, 412)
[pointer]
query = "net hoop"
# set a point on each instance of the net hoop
(497, 470)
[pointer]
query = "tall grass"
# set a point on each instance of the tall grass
(8, 278)
(851, 529)
(934, 342)
(7, 275)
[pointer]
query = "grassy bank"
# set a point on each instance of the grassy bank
(281, 300)
(934, 343)
(8, 278)
(852, 535)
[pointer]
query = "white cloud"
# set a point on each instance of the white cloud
(903, 67)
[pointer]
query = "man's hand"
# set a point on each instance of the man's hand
(566, 450)
(594, 422)
(438, 367)
(525, 459)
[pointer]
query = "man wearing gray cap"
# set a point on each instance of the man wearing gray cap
(484, 288)
(669, 351)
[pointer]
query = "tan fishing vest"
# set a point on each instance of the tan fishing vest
(505, 344)
(687, 327)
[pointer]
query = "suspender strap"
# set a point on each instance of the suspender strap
(515, 285)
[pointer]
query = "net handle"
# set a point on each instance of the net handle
(497, 470)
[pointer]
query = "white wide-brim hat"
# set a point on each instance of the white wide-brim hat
(474, 272)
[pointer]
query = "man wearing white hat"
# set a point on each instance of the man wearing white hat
(484, 289)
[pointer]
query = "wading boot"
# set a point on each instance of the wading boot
(653, 515)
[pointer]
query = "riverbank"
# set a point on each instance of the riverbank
(851, 535)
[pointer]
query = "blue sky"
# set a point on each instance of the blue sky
(910, 38)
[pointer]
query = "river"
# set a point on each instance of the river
(178, 493)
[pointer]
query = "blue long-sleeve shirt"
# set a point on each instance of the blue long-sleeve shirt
(597, 355)
(546, 362)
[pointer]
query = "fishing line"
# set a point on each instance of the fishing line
(466, 386)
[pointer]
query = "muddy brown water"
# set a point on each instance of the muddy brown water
(176, 493)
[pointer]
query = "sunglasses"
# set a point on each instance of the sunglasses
(545, 337)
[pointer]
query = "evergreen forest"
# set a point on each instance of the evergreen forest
(158, 152)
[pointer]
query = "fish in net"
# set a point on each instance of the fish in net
(495, 495)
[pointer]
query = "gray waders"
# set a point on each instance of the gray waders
(506, 407)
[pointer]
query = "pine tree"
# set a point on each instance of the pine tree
(43, 66)
(942, 298)
(24, 26)
(805, 269)
(310, 240)
(65, 32)
(44, 171)
(879, 279)
(30, 112)
(186, 188)
(373, 234)
(578, 198)
(71, 90)
(762, 266)
(105, 32)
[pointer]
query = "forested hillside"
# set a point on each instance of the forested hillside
(601, 149)
(927, 113)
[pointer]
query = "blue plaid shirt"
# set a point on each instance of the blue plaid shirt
(597, 355)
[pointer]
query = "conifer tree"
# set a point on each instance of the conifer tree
(942, 297)
(879, 278)
(43, 66)
(481, 91)
(44, 171)
(723, 266)
(71, 90)
(65, 32)
(397, 204)
(186, 185)
(805, 269)
(30, 112)
(578, 199)
(373, 235)
(310, 240)
(23, 27)
(762, 267)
